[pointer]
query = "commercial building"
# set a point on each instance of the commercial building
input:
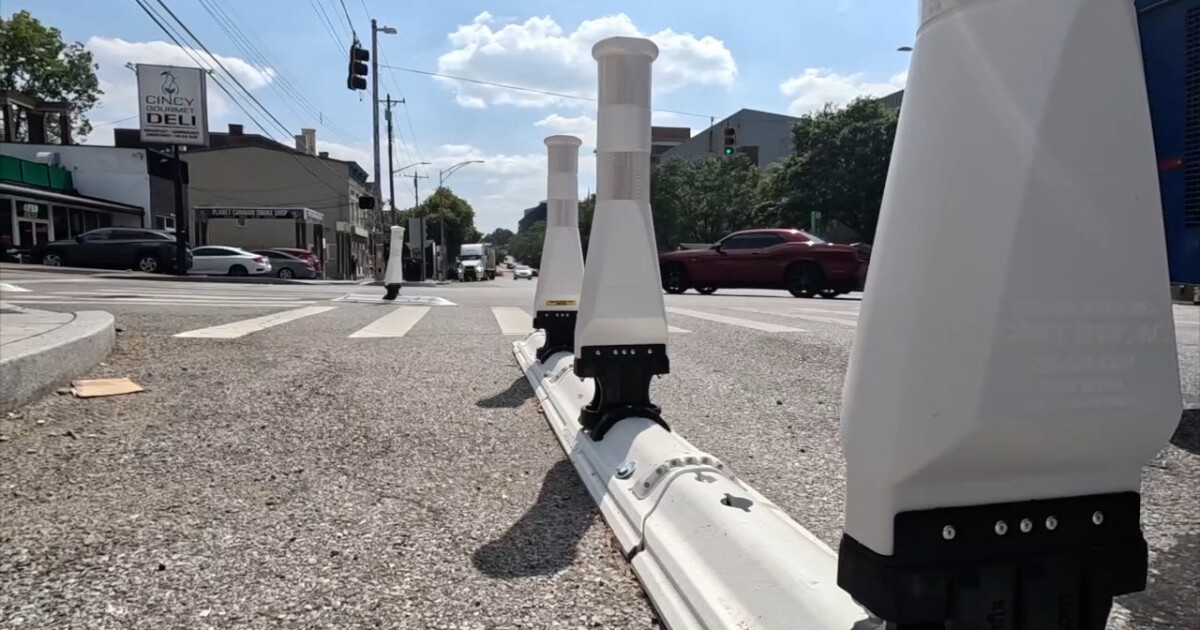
(53, 191)
(318, 196)
(763, 136)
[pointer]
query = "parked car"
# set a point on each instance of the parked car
(521, 271)
(302, 254)
(794, 260)
(217, 260)
(140, 249)
(287, 265)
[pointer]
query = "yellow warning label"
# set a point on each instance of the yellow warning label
(561, 303)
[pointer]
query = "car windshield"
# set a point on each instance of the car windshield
(471, 257)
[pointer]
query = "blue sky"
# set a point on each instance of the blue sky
(716, 57)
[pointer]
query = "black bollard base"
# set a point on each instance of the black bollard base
(1054, 563)
(622, 377)
(393, 290)
(560, 332)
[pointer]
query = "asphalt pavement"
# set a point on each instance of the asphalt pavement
(282, 472)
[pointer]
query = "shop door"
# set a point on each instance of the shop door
(32, 234)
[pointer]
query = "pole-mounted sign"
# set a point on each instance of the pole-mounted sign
(172, 105)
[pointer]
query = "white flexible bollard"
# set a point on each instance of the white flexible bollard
(394, 276)
(621, 334)
(1015, 363)
(556, 301)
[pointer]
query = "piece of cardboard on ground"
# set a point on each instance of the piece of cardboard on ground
(97, 387)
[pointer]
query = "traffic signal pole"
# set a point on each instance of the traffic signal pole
(377, 189)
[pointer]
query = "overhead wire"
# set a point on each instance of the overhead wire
(519, 88)
(144, 4)
(281, 84)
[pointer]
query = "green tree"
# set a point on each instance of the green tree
(500, 237)
(587, 210)
(702, 200)
(839, 167)
(36, 61)
(459, 217)
(526, 246)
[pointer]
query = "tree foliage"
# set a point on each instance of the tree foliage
(701, 200)
(444, 205)
(500, 237)
(36, 61)
(526, 246)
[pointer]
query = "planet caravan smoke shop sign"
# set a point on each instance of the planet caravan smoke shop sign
(172, 105)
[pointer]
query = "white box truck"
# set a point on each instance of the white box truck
(477, 261)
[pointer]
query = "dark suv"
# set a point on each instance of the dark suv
(140, 249)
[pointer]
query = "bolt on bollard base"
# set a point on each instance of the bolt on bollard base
(622, 375)
(560, 332)
(1054, 563)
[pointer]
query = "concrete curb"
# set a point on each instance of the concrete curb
(406, 283)
(33, 367)
(75, 271)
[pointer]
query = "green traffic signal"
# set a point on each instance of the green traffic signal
(728, 150)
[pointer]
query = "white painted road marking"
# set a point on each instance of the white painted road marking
(394, 324)
(677, 330)
(796, 315)
(4, 286)
(733, 321)
(244, 327)
(51, 300)
(513, 320)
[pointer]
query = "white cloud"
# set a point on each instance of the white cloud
(120, 83)
(539, 54)
(582, 127)
(818, 86)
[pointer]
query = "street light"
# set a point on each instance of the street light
(905, 49)
(443, 175)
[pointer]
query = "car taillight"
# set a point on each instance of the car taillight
(259, 259)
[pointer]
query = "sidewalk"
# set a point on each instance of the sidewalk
(42, 350)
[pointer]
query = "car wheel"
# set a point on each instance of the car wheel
(147, 263)
(706, 290)
(675, 279)
(804, 280)
(238, 270)
(52, 260)
(286, 273)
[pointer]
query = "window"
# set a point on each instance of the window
(164, 222)
(139, 235)
(90, 221)
(751, 241)
(96, 235)
(76, 221)
(208, 251)
(59, 217)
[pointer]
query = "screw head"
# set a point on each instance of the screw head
(1026, 526)
(1001, 528)
(948, 532)
(1051, 523)
(1097, 517)
(625, 470)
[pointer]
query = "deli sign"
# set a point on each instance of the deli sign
(172, 105)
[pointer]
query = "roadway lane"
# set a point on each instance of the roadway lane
(300, 477)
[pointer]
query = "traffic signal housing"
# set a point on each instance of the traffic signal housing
(356, 79)
(730, 140)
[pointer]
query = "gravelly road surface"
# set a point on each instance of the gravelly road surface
(296, 478)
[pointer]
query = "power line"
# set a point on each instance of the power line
(348, 20)
(113, 122)
(235, 80)
(534, 90)
(323, 18)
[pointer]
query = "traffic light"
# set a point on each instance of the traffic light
(357, 77)
(730, 140)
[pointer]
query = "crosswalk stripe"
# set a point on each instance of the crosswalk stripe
(795, 315)
(244, 327)
(134, 295)
(512, 320)
(4, 286)
(828, 311)
(394, 324)
(733, 321)
(49, 300)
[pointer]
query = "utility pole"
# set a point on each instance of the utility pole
(377, 189)
(391, 180)
(421, 223)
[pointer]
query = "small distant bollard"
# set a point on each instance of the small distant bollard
(395, 264)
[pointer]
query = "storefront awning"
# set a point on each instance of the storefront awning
(65, 199)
